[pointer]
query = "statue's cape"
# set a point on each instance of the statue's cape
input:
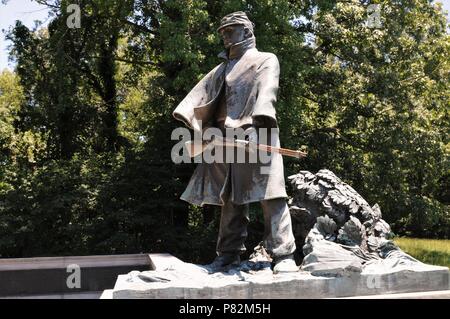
(252, 82)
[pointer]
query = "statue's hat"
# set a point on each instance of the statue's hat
(238, 17)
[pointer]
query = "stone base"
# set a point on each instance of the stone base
(175, 279)
(43, 277)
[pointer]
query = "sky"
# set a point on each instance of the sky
(28, 11)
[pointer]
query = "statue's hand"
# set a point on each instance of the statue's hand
(251, 135)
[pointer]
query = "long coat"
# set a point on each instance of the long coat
(247, 82)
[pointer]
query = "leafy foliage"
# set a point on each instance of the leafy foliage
(85, 120)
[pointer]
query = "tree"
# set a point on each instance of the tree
(91, 114)
(381, 96)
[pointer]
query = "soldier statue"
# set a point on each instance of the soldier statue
(240, 93)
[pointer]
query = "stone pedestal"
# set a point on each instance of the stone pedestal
(172, 278)
(46, 277)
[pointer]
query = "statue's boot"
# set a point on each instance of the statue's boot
(223, 263)
(285, 264)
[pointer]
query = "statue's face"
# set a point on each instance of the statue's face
(233, 34)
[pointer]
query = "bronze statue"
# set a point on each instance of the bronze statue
(240, 93)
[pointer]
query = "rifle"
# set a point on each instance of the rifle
(195, 149)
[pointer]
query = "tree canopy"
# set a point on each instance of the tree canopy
(85, 118)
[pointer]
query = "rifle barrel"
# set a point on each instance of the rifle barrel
(282, 151)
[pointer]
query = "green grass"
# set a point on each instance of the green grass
(429, 251)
